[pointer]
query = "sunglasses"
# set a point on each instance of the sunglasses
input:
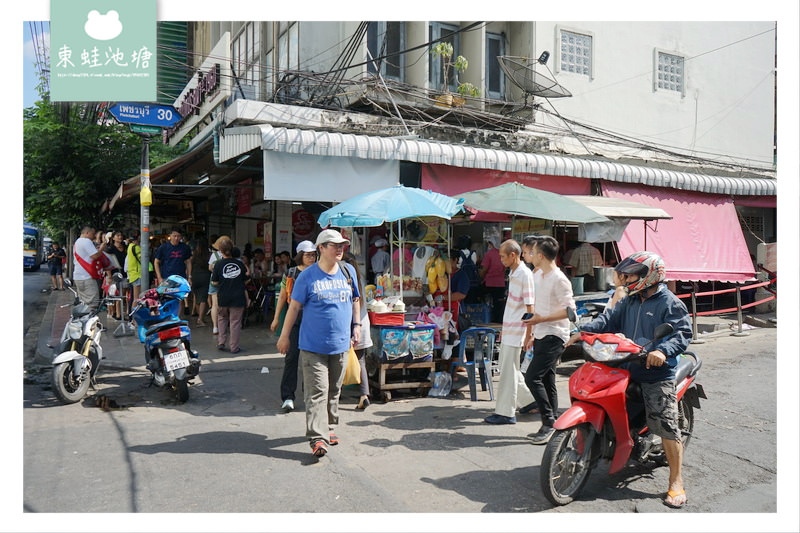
(335, 244)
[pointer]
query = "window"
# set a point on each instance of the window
(495, 78)
(669, 72)
(387, 39)
(438, 30)
(245, 51)
(575, 53)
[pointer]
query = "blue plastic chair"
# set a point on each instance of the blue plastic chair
(483, 340)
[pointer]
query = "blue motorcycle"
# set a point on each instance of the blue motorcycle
(167, 338)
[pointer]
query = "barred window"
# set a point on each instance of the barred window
(576, 53)
(670, 74)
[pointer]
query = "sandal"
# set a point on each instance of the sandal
(363, 403)
(673, 494)
(318, 448)
(333, 439)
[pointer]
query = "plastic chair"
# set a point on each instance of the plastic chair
(483, 340)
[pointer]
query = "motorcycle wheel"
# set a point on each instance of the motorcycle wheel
(565, 469)
(182, 386)
(66, 387)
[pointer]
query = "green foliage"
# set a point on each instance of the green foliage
(445, 51)
(73, 161)
(468, 89)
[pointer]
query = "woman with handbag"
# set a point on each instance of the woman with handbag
(306, 256)
(364, 342)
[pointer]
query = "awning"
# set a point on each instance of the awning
(452, 181)
(239, 140)
(621, 208)
(702, 242)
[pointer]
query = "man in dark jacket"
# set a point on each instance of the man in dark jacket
(648, 305)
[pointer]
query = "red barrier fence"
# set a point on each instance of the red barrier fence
(739, 307)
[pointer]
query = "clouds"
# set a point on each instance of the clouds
(103, 27)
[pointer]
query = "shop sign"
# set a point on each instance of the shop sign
(207, 84)
(303, 223)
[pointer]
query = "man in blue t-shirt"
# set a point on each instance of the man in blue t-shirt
(173, 257)
(329, 298)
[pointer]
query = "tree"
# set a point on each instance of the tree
(74, 158)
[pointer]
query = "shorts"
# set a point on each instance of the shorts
(136, 283)
(212, 289)
(56, 269)
(661, 407)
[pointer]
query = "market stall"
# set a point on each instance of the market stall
(402, 344)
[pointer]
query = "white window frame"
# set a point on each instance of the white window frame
(500, 37)
(656, 53)
(399, 60)
(245, 53)
(435, 63)
(557, 55)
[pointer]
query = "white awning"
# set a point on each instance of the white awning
(620, 208)
(239, 140)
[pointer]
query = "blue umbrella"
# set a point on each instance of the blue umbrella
(389, 205)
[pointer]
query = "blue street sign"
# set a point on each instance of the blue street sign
(163, 116)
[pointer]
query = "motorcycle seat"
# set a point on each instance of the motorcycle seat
(154, 328)
(688, 365)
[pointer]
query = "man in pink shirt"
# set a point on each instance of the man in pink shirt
(511, 389)
(493, 274)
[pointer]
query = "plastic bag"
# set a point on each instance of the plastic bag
(352, 369)
(442, 383)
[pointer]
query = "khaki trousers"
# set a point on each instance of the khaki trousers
(511, 389)
(322, 384)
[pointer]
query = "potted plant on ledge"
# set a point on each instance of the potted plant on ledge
(444, 51)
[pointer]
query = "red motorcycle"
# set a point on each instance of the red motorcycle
(606, 419)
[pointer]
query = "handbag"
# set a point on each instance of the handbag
(95, 270)
(352, 369)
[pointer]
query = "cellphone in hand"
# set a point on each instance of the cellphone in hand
(526, 316)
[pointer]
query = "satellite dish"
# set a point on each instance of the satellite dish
(522, 72)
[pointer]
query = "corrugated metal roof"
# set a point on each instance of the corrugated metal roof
(239, 140)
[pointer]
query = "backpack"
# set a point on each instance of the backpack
(470, 269)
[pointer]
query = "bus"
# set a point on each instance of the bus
(32, 253)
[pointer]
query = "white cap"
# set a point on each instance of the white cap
(305, 247)
(381, 242)
(330, 235)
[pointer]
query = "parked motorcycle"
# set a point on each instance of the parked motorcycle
(79, 353)
(167, 338)
(607, 419)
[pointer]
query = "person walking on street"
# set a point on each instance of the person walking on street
(85, 254)
(550, 329)
(648, 305)
(215, 256)
(201, 278)
(306, 256)
(330, 301)
(511, 389)
(229, 276)
(364, 342)
(493, 274)
(55, 260)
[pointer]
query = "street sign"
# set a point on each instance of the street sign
(148, 130)
(163, 116)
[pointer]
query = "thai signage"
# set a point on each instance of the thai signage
(207, 84)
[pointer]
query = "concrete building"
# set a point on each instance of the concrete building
(285, 118)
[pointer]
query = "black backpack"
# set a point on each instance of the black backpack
(471, 269)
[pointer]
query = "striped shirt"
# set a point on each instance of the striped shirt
(520, 295)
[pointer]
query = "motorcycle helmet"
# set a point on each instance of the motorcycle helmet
(648, 266)
(175, 286)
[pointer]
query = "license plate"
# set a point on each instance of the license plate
(176, 360)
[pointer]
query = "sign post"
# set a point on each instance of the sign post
(146, 120)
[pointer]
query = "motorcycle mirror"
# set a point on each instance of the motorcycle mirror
(117, 277)
(67, 282)
(663, 330)
(571, 314)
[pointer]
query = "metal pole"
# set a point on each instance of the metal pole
(145, 216)
(695, 339)
(739, 333)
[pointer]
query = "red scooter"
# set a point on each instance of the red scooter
(606, 419)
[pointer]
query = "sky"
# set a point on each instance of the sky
(29, 75)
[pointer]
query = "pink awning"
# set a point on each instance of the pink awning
(451, 181)
(702, 242)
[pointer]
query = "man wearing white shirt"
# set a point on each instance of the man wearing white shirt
(511, 389)
(550, 329)
(87, 287)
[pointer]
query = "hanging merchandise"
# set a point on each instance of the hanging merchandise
(421, 257)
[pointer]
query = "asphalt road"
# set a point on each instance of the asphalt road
(230, 449)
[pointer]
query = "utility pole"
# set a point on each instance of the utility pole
(145, 200)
